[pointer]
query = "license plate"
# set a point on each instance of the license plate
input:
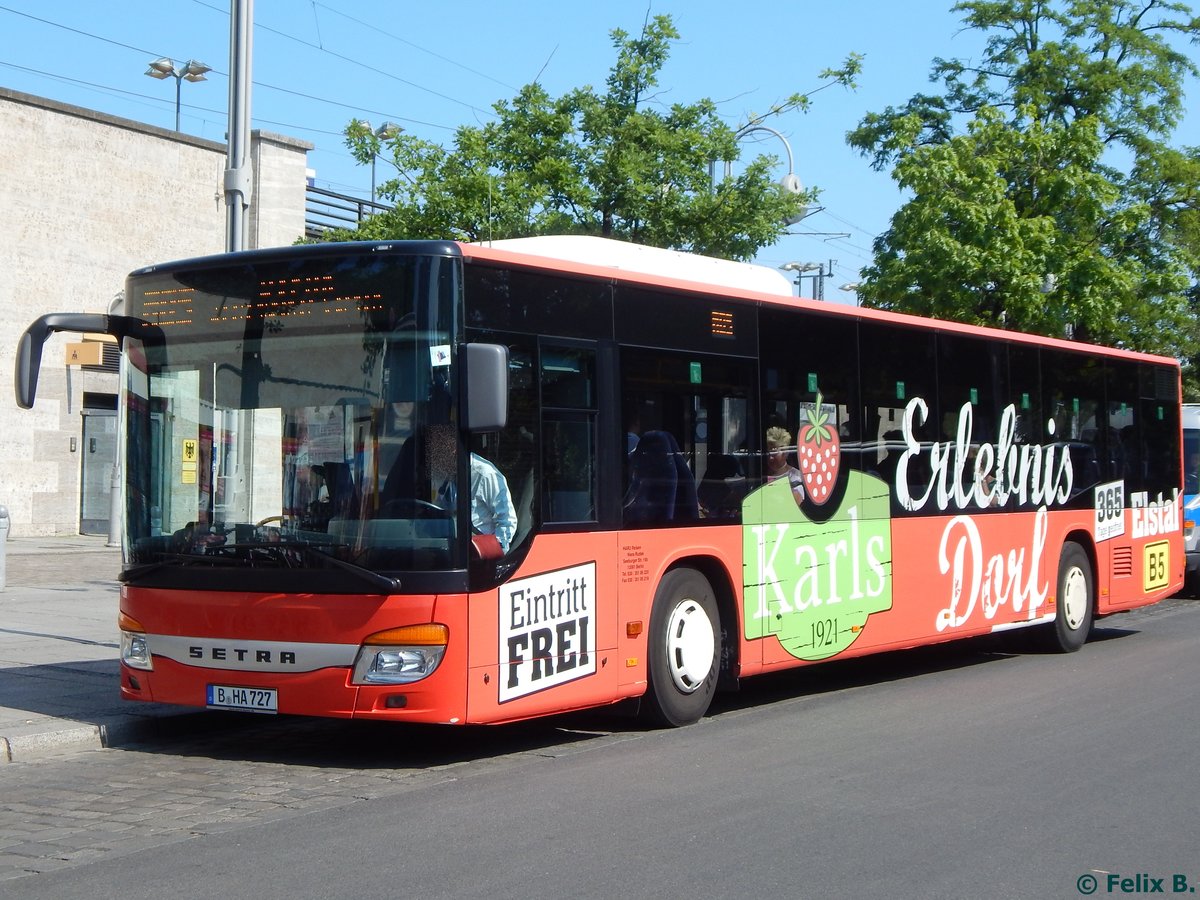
(260, 700)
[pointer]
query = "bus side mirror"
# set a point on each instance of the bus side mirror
(29, 348)
(485, 380)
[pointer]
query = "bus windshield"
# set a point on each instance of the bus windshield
(294, 414)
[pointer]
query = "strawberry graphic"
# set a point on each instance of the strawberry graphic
(819, 454)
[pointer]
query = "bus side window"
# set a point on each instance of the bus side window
(1159, 426)
(899, 385)
(569, 423)
(687, 421)
(1074, 410)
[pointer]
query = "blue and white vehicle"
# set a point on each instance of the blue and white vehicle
(1191, 491)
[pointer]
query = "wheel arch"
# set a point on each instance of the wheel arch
(1084, 540)
(719, 578)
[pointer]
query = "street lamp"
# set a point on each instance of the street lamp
(800, 268)
(851, 287)
(191, 71)
(790, 182)
(384, 132)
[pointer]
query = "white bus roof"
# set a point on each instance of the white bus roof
(676, 264)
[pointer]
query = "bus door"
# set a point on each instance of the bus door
(99, 454)
(553, 620)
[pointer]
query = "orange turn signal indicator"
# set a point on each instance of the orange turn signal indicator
(633, 629)
(429, 635)
(127, 622)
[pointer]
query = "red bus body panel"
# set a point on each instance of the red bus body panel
(955, 577)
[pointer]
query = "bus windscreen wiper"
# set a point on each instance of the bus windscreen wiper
(280, 550)
(135, 573)
(278, 553)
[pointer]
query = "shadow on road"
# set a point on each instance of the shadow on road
(352, 744)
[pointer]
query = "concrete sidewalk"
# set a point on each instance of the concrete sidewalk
(59, 646)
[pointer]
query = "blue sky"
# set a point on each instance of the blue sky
(432, 67)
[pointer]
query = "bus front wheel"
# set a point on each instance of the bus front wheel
(1076, 592)
(684, 649)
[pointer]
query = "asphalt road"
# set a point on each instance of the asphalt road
(965, 770)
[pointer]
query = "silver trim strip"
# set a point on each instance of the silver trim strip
(233, 654)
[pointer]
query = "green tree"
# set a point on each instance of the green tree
(1044, 196)
(616, 164)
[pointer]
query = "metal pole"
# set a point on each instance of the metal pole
(114, 504)
(237, 171)
(178, 98)
(4, 529)
(750, 129)
(116, 306)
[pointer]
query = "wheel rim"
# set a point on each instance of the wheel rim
(690, 645)
(1075, 597)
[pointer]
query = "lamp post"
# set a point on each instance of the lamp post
(800, 268)
(789, 182)
(190, 71)
(852, 288)
(384, 132)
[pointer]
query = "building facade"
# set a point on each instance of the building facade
(88, 198)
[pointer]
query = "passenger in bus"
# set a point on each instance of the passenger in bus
(779, 443)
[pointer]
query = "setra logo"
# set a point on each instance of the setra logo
(249, 655)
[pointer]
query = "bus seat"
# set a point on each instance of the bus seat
(524, 510)
(662, 488)
(723, 486)
(687, 504)
(653, 479)
(400, 482)
(340, 485)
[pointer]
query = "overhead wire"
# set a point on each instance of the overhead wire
(395, 37)
(258, 84)
(258, 25)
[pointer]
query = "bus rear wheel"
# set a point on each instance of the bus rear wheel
(684, 649)
(1076, 593)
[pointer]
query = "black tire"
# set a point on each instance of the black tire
(683, 650)
(1074, 602)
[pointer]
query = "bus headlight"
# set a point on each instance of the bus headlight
(135, 652)
(400, 655)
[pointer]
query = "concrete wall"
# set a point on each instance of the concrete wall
(85, 199)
